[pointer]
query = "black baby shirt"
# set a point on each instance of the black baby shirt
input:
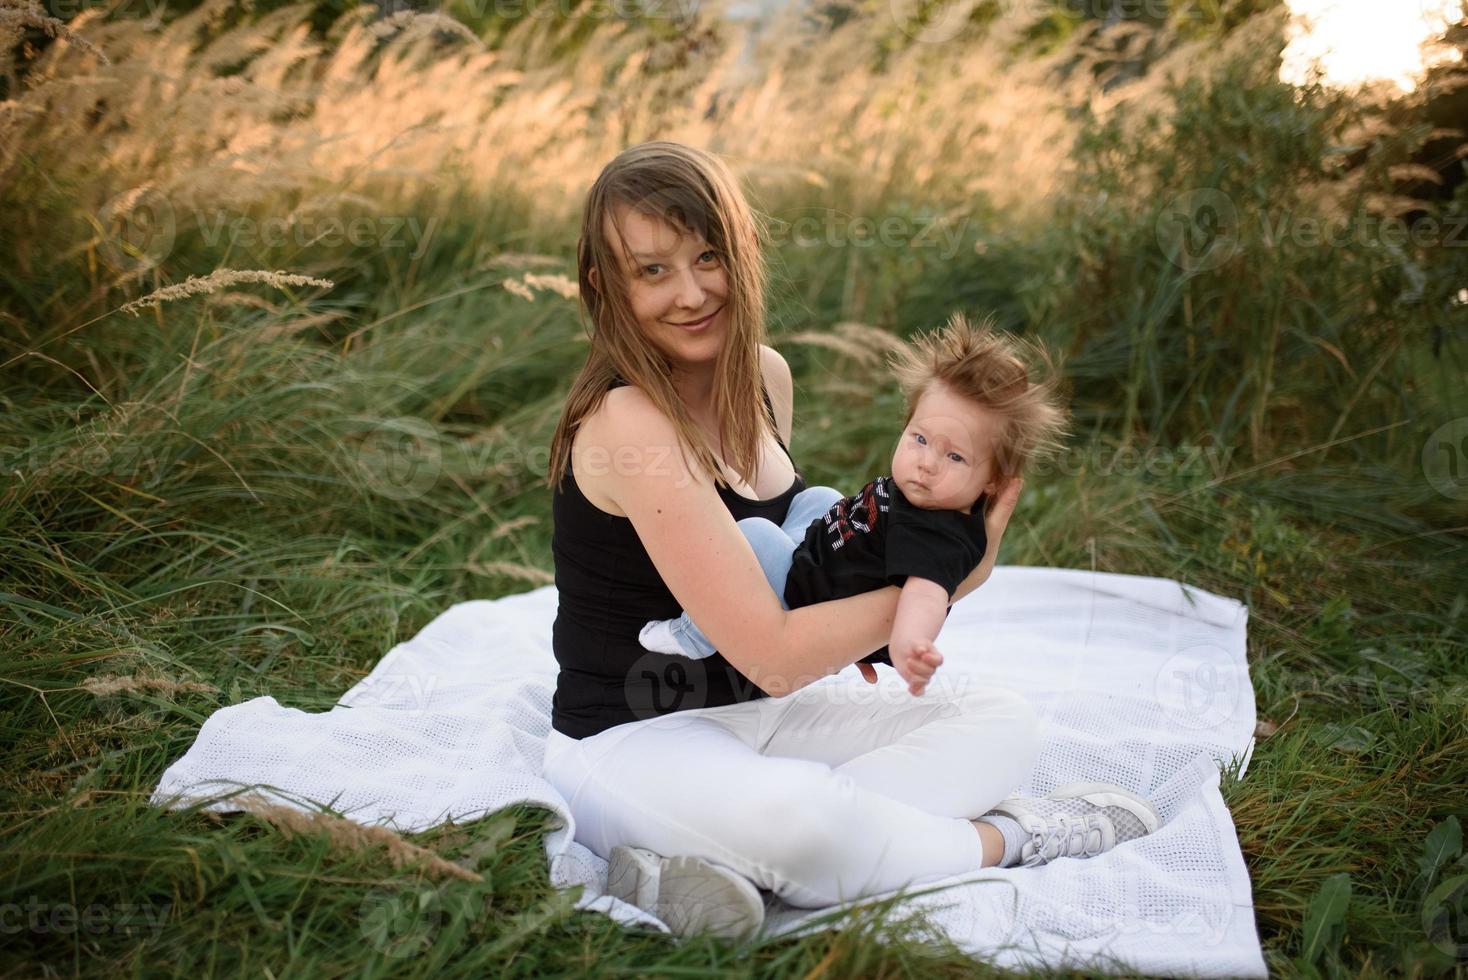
(876, 537)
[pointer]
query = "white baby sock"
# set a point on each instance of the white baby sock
(658, 637)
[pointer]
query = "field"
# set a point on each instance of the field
(256, 481)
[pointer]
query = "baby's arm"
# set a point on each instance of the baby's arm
(921, 609)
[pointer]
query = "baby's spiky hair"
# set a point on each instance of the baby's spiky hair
(1015, 378)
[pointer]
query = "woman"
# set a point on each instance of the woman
(702, 779)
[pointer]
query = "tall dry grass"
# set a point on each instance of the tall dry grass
(379, 113)
(128, 144)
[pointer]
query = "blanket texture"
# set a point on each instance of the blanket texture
(1138, 681)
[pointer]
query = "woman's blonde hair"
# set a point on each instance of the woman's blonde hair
(1014, 378)
(694, 191)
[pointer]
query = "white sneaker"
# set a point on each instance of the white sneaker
(1080, 820)
(690, 894)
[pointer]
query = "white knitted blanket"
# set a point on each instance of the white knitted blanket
(1139, 681)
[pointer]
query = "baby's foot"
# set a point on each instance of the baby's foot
(658, 636)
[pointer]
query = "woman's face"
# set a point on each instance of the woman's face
(945, 457)
(677, 286)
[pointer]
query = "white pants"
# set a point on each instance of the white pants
(838, 791)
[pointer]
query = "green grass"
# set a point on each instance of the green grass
(197, 496)
(230, 533)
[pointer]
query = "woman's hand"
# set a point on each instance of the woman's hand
(997, 514)
(996, 519)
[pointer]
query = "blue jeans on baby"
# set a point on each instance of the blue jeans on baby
(774, 545)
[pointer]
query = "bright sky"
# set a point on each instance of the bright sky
(1363, 40)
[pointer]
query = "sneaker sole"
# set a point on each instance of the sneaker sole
(1110, 794)
(689, 894)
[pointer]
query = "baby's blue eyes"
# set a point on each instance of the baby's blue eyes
(922, 441)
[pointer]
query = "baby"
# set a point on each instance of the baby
(974, 417)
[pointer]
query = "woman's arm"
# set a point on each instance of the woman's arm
(632, 450)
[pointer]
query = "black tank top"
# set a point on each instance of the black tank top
(608, 588)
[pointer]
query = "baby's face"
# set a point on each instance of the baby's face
(945, 459)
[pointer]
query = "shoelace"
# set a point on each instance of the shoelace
(1067, 836)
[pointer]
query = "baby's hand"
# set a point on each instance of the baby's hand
(915, 660)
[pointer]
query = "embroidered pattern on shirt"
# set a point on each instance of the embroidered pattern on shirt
(857, 514)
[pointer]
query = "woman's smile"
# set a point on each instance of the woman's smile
(696, 326)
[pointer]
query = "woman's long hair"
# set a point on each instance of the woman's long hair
(694, 190)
